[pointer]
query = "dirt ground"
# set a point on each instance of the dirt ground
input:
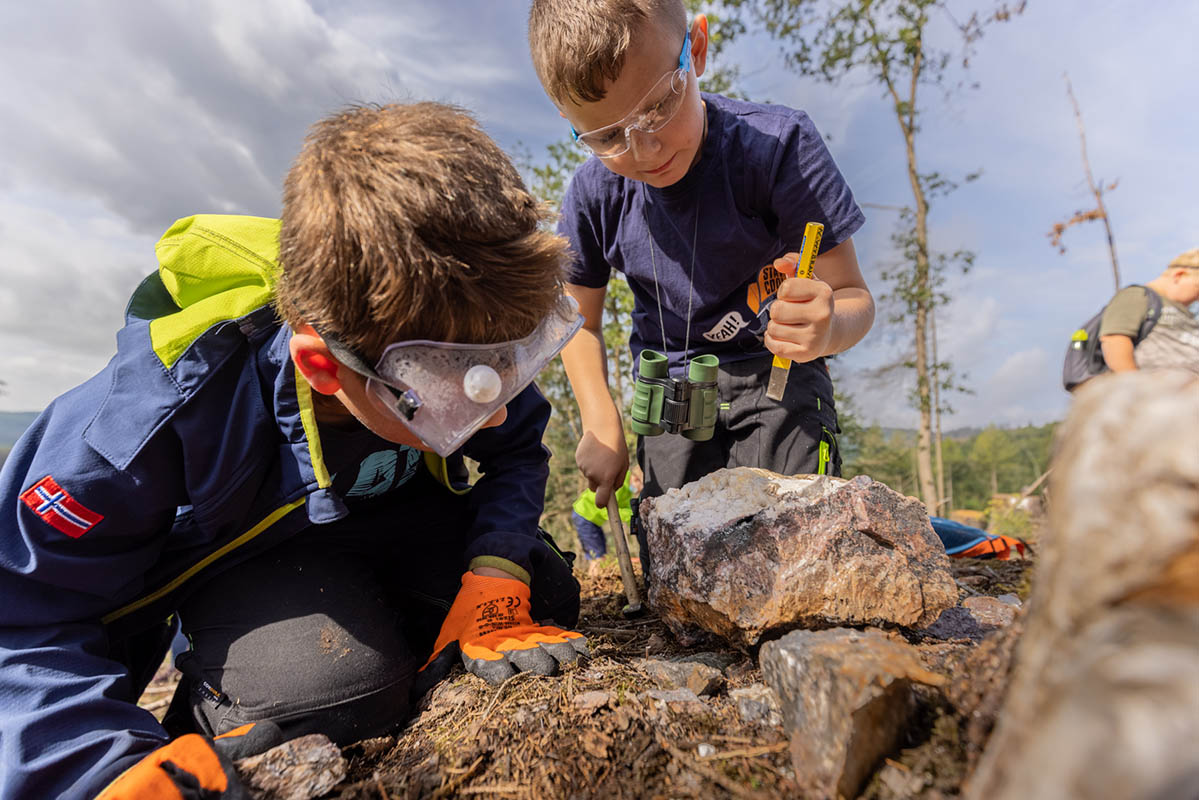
(592, 733)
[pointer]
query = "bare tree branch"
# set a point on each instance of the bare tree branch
(1097, 189)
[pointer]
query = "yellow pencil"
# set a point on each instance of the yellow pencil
(781, 367)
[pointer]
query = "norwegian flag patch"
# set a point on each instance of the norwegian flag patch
(56, 507)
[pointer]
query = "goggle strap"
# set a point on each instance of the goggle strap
(348, 356)
(407, 401)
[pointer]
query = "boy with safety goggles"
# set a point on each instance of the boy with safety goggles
(275, 457)
(701, 201)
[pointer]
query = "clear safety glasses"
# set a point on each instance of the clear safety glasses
(652, 114)
(445, 391)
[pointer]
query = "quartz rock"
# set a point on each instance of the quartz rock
(744, 551)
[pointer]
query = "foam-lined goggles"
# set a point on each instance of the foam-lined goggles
(445, 391)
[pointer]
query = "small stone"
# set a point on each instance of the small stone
(705, 750)
(678, 701)
(300, 769)
(698, 677)
(656, 644)
(901, 782)
(592, 701)
(1010, 599)
(990, 611)
(757, 704)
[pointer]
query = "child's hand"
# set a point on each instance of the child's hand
(801, 317)
(603, 458)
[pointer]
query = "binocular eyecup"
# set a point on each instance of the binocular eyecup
(662, 404)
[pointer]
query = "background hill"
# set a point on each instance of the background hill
(13, 424)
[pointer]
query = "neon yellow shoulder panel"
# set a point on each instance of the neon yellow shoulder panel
(216, 267)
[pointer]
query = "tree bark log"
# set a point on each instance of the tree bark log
(1104, 699)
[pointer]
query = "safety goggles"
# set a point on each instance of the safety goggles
(445, 391)
(652, 114)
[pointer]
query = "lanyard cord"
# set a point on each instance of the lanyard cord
(690, 282)
(654, 264)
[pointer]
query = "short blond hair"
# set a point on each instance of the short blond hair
(1189, 260)
(409, 222)
(580, 45)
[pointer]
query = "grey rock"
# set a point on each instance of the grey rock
(846, 700)
(744, 551)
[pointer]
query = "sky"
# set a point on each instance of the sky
(118, 117)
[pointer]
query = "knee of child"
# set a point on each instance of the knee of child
(335, 685)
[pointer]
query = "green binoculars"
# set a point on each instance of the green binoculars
(662, 404)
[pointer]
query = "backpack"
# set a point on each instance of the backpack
(1084, 356)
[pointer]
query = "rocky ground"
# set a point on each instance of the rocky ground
(646, 718)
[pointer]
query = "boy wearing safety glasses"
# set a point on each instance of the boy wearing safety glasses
(275, 458)
(701, 201)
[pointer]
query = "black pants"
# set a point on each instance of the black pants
(794, 436)
(325, 633)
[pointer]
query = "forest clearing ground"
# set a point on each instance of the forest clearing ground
(591, 732)
(534, 737)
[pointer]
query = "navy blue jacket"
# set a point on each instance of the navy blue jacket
(195, 448)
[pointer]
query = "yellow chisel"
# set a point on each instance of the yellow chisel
(781, 367)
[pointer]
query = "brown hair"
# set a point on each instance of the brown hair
(579, 45)
(409, 222)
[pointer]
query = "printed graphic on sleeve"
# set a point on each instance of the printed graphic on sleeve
(769, 281)
(57, 508)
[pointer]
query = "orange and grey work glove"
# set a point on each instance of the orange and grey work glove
(194, 768)
(490, 625)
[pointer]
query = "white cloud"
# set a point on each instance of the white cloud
(67, 277)
(117, 118)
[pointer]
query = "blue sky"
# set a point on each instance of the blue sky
(117, 117)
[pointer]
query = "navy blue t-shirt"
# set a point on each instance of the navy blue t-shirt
(763, 174)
